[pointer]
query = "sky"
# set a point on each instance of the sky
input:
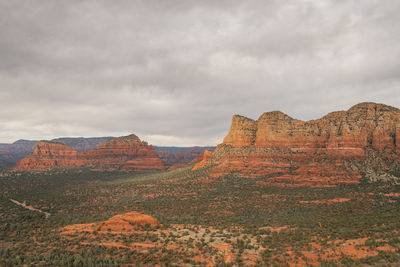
(175, 72)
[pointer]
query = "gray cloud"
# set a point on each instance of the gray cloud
(174, 72)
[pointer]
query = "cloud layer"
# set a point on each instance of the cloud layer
(174, 72)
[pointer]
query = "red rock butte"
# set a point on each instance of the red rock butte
(339, 148)
(127, 221)
(127, 153)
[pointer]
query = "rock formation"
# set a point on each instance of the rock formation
(11, 153)
(180, 155)
(125, 154)
(122, 223)
(339, 148)
(126, 222)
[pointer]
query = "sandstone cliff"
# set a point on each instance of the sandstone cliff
(11, 153)
(126, 154)
(339, 148)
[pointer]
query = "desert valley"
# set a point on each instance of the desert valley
(275, 192)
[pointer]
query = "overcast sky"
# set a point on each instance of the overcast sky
(174, 72)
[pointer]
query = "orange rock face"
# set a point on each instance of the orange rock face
(126, 154)
(126, 222)
(242, 133)
(50, 155)
(329, 151)
(206, 157)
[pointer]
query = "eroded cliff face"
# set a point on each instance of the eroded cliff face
(127, 153)
(336, 149)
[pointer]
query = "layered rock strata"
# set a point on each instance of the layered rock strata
(339, 148)
(125, 154)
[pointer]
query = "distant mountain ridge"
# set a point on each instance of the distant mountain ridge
(11, 153)
(83, 144)
(180, 155)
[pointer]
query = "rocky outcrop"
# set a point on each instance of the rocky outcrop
(339, 148)
(48, 155)
(242, 133)
(11, 153)
(204, 161)
(125, 154)
(122, 223)
(126, 222)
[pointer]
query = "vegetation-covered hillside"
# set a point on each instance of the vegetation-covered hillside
(225, 221)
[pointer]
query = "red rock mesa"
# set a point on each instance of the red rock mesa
(340, 148)
(127, 153)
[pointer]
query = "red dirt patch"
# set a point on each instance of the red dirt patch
(386, 248)
(325, 201)
(352, 248)
(312, 258)
(356, 253)
(392, 195)
(227, 252)
(249, 259)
